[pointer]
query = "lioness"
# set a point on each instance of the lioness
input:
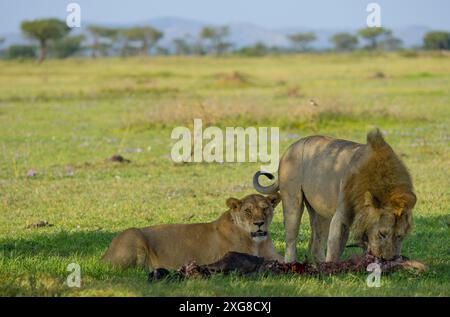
(344, 185)
(243, 228)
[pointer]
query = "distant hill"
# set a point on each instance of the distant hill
(243, 34)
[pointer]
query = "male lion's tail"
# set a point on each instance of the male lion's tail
(375, 140)
(266, 190)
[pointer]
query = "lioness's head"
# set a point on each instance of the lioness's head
(254, 214)
(382, 226)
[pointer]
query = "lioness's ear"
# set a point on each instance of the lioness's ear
(233, 203)
(274, 199)
(402, 201)
(371, 201)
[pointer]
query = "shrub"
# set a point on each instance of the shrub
(21, 52)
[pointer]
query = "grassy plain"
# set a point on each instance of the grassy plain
(62, 119)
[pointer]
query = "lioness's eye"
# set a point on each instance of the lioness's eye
(382, 234)
(248, 211)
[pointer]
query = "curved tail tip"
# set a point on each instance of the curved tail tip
(266, 190)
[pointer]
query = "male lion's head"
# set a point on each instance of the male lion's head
(254, 214)
(381, 227)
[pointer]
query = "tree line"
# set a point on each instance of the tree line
(53, 39)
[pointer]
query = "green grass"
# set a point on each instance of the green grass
(71, 115)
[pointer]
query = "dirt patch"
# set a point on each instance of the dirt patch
(118, 159)
(234, 78)
(378, 75)
(293, 92)
(40, 224)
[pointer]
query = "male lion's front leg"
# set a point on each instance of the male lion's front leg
(337, 239)
(339, 231)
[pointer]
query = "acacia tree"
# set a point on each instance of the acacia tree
(44, 30)
(147, 35)
(301, 40)
(101, 34)
(182, 47)
(344, 41)
(2, 40)
(216, 38)
(437, 41)
(373, 35)
(390, 42)
(67, 46)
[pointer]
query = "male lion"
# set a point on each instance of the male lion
(344, 185)
(243, 228)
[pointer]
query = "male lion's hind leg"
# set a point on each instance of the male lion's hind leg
(129, 249)
(292, 213)
(320, 226)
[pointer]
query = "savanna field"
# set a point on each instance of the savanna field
(61, 121)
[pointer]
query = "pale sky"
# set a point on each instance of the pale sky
(267, 13)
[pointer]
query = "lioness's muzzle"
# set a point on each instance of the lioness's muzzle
(259, 233)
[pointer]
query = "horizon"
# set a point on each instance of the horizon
(322, 14)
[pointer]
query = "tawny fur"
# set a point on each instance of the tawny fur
(344, 185)
(173, 245)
